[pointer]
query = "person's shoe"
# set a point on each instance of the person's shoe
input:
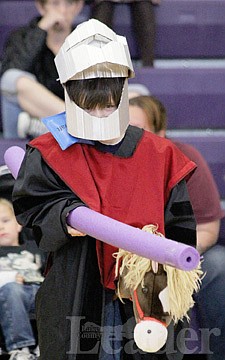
(29, 127)
(36, 351)
(23, 354)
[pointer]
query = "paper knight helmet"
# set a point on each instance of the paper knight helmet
(93, 50)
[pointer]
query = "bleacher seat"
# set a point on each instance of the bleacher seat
(184, 28)
(190, 28)
(13, 14)
(194, 97)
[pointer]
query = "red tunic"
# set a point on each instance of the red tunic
(133, 190)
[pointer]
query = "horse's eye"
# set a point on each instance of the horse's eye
(144, 290)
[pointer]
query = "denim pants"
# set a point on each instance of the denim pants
(10, 113)
(17, 303)
(9, 102)
(210, 302)
(112, 332)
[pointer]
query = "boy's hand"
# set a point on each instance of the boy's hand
(19, 278)
(74, 232)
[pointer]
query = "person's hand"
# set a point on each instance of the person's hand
(51, 20)
(19, 278)
(74, 232)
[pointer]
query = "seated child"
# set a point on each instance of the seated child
(20, 278)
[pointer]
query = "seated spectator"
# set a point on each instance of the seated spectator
(29, 78)
(20, 278)
(149, 113)
(143, 18)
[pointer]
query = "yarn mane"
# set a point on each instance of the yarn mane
(181, 284)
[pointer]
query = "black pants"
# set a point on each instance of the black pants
(143, 19)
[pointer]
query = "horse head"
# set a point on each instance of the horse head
(159, 293)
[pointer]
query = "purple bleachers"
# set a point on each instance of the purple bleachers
(184, 28)
(190, 28)
(14, 14)
(194, 97)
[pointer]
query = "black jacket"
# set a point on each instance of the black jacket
(26, 49)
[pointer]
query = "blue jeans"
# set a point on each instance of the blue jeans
(210, 301)
(10, 113)
(17, 303)
(112, 331)
(9, 101)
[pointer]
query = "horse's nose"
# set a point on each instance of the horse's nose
(150, 335)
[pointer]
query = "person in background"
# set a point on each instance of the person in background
(29, 85)
(20, 278)
(149, 113)
(143, 18)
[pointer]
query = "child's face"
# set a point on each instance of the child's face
(9, 228)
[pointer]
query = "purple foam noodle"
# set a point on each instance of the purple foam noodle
(115, 233)
(13, 158)
(139, 242)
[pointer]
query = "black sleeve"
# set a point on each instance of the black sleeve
(180, 223)
(22, 48)
(42, 201)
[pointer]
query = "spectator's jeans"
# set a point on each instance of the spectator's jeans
(9, 101)
(17, 302)
(210, 301)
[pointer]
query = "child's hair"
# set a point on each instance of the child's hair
(97, 92)
(154, 110)
(7, 203)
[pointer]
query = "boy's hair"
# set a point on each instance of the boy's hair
(7, 203)
(97, 92)
(154, 110)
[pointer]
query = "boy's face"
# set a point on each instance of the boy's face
(9, 228)
(101, 113)
(64, 11)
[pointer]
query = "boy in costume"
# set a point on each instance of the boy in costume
(115, 169)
